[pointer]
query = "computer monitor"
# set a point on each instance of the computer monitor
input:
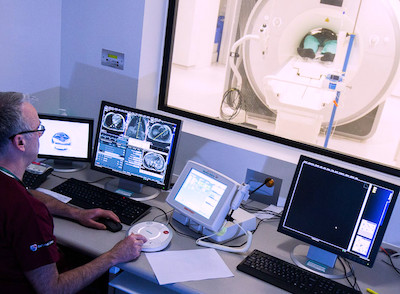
(67, 142)
(337, 211)
(138, 147)
(202, 197)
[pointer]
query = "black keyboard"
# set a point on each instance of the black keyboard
(288, 276)
(88, 196)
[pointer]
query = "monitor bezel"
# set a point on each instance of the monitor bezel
(84, 120)
(172, 156)
(217, 218)
(380, 234)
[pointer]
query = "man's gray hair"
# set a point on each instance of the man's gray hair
(11, 120)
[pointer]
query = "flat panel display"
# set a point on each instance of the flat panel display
(338, 210)
(203, 195)
(66, 138)
(135, 144)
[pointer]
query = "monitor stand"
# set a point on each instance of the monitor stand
(318, 261)
(66, 166)
(133, 190)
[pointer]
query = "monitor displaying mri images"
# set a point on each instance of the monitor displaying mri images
(135, 143)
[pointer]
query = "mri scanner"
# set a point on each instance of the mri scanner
(310, 96)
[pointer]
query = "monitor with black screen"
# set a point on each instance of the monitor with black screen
(339, 212)
(137, 146)
(67, 142)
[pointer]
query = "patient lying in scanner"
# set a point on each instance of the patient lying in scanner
(320, 38)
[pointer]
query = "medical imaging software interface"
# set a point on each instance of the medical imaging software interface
(201, 193)
(65, 138)
(340, 210)
(134, 144)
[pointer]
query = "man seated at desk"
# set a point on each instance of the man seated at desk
(28, 250)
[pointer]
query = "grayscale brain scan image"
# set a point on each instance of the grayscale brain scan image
(154, 161)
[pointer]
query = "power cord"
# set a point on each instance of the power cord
(395, 254)
(226, 248)
(354, 285)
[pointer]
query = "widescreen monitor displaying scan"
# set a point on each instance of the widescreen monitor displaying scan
(203, 196)
(338, 210)
(66, 140)
(135, 145)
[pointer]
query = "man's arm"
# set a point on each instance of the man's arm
(46, 279)
(86, 217)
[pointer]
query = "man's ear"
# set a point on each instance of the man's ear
(19, 142)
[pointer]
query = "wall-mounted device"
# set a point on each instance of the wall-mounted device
(202, 199)
(112, 59)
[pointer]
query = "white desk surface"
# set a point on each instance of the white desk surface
(381, 278)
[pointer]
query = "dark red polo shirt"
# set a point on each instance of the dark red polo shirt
(26, 236)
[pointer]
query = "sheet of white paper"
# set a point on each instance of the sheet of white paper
(187, 265)
(56, 195)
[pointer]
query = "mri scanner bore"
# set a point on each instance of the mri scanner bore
(289, 55)
(319, 73)
(316, 39)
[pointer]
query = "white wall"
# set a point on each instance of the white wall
(30, 45)
(195, 32)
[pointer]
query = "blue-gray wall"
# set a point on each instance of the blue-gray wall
(30, 43)
(87, 27)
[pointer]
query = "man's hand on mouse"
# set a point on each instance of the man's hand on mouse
(88, 217)
(127, 249)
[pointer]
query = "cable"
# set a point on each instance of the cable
(164, 214)
(180, 233)
(390, 259)
(233, 99)
(354, 285)
(236, 80)
(241, 249)
(257, 210)
(57, 176)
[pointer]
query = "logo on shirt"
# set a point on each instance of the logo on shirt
(35, 247)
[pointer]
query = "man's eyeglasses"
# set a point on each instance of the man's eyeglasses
(40, 130)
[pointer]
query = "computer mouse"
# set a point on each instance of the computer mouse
(111, 225)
